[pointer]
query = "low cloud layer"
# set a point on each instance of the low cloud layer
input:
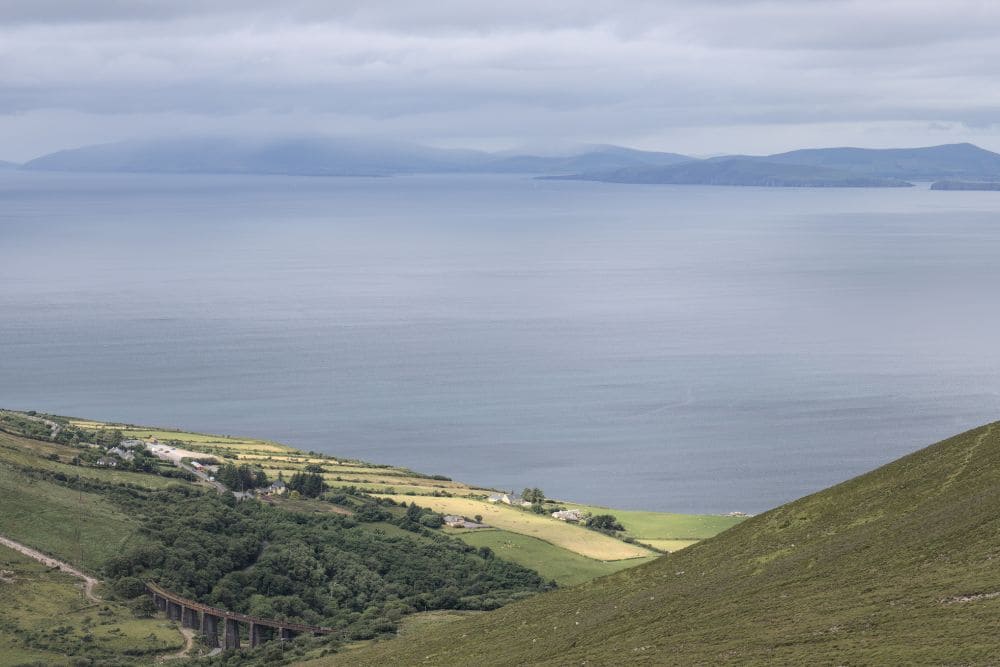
(697, 77)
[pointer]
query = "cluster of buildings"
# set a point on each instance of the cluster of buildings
(516, 501)
(574, 516)
(123, 452)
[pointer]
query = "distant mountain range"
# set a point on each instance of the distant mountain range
(322, 156)
(595, 159)
(924, 164)
(306, 156)
(741, 171)
(312, 156)
(965, 185)
(821, 167)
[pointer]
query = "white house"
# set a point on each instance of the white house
(277, 488)
(508, 499)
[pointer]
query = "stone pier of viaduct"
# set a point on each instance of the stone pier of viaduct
(209, 621)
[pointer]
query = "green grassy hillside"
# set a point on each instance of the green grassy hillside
(898, 566)
(80, 527)
(46, 620)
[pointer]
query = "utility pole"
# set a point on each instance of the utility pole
(79, 505)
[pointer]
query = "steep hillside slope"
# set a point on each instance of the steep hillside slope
(898, 566)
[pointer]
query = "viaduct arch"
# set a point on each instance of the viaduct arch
(207, 620)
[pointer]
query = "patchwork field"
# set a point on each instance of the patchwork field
(552, 562)
(565, 552)
(277, 458)
(201, 441)
(373, 477)
(573, 538)
(46, 620)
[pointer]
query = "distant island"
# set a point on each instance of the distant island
(326, 156)
(820, 167)
(742, 171)
(966, 185)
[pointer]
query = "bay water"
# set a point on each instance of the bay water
(680, 348)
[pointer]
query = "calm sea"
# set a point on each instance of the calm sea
(675, 348)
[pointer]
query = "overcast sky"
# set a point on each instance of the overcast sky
(698, 77)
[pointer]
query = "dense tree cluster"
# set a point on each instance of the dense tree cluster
(242, 477)
(417, 517)
(320, 569)
(533, 495)
(605, 522)
(19, 425)
(309, 484)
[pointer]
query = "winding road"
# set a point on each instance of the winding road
(88, 582)
(88, 588)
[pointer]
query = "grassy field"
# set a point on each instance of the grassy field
(51, 517)
(307, 505)
(201, 441)
(552, 562)
(668, 545)
(567, 536)
(896, 567)
(46, 620)
(664, 525)
(416, 623)
(274, 458)
(372, 477)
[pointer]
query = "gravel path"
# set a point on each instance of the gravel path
(88, 588)
(88, 581)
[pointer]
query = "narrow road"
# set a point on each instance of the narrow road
(204, 476)
(189, 635)
(88, 587)
(88, 581)
(54, 428)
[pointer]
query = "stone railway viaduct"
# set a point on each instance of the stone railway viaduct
(187, 612)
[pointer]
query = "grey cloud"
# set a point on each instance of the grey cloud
(501, 73)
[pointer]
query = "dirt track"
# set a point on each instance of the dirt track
(88, 581)
(88, 587)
